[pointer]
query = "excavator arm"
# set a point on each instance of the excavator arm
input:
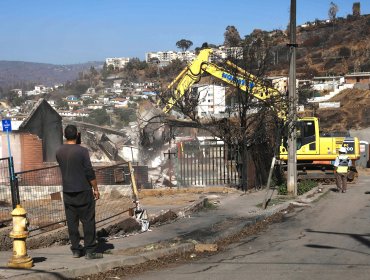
(240, 79)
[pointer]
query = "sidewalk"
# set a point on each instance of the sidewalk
(234, 212)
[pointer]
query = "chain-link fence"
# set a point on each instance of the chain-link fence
(5, 191)
(40, 193)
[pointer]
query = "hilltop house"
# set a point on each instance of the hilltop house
(359, 79)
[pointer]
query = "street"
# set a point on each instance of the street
(330, 239)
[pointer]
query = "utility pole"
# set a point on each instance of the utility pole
(292, 142)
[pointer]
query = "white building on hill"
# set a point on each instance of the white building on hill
(117, 62)
(211, 99)
(165, 57)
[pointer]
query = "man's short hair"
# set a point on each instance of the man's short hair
(70, 132)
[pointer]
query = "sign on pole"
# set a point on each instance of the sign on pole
(7, 125)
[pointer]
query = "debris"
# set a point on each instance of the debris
(206, 247)
(299, 203)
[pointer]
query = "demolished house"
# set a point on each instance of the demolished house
(46, 123)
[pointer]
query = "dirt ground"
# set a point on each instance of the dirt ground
(178, 196)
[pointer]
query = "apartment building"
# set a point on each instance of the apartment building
(211, 99)
(117, 62)
(165, 57)
(225, 52)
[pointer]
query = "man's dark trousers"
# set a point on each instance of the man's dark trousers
(81, 206)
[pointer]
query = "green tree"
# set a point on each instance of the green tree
(135, 64)
(61, 104)
(232, 37)
(99, 117)
(17, 100)
(88, 101)
(125, 115)
(184, 44)
(172, 69)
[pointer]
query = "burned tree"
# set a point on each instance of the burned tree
(251, 123)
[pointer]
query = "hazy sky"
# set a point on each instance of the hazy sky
(77, 31)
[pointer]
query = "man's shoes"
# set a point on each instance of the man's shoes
(343, 191)
(77, 254)
(93, 256)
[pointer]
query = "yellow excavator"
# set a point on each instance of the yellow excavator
(315, 153)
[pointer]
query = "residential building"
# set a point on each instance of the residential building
(17, 91)
(73, 101)
(120, 102)
(86, 96)
(211, 99)
(76, 113)
(117, 87)
(117, 62)
(90, 91)
(360, 79)
(94, 106)
(225, 52)
(165, 57)
(117, 84)
(327, 82)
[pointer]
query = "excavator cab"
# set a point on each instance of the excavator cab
(306, 137)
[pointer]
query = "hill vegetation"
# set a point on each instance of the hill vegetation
(24, 75)
(333, 47)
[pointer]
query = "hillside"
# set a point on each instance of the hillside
(326, 48)
(354, 112)
(14, 73)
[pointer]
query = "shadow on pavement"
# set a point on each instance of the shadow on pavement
(362, 238)
(48, 274)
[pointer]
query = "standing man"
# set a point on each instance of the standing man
(341, 166)
(80, 190)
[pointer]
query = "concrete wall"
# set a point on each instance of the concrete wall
(362, 134)
(26, 150)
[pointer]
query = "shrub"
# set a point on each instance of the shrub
(302, 187)
(314, 41)
(345, 52)
(305, 186)
(282, 189)
(330, 64)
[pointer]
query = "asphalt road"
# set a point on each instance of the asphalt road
(328, 240)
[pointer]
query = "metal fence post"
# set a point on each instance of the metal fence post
(14, 188)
